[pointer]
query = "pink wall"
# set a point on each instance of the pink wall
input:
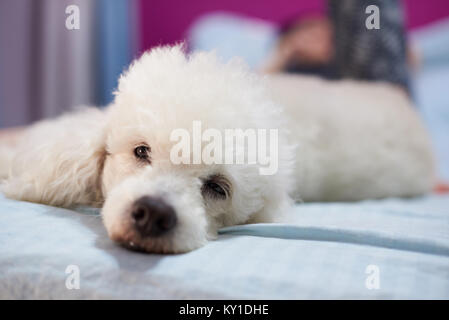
(166, 21)
(422, 12)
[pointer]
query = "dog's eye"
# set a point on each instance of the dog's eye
(213, 189)
(142, 152)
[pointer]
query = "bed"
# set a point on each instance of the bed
(389, 249)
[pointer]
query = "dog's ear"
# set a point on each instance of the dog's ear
(59, 162)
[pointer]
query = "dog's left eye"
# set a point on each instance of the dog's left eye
(214, 188)
(142, 152)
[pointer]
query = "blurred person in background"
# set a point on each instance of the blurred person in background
(341, 46)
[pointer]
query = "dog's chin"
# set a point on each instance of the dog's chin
(132, 241)
(165, 244)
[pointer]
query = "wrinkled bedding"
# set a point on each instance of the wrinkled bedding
(324, 253)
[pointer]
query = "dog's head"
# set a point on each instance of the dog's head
(160, 194)
(169, 173)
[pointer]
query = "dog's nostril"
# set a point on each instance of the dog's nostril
(140, 214)
(152, 216)
(166, 222)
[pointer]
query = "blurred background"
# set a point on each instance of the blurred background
(46, 69)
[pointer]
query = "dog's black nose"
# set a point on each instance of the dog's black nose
(152, 216)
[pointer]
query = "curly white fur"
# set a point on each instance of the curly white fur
(337, 141)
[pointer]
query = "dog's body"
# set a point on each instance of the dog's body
(356, 140)
(337, 141)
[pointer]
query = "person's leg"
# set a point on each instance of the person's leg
(369, 54)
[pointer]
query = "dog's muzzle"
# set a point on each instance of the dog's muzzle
(153, 216)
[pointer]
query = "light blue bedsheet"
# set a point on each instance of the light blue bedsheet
(324, 253)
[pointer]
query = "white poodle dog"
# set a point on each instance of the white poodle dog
(336, 141)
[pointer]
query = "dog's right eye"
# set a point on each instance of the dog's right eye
(142, 152)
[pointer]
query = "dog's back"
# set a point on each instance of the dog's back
(356, 140)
